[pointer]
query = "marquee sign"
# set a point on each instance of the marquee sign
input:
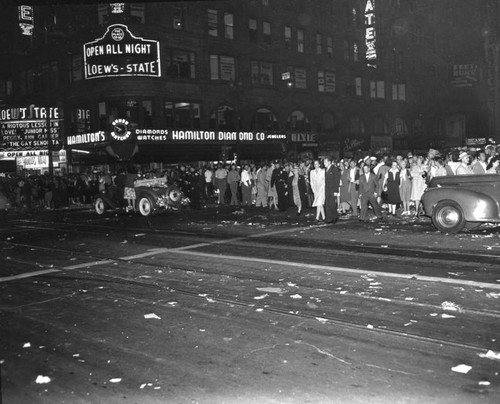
(120, 53)
(370, 33)
(29, 128)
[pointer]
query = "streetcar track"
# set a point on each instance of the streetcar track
(400, 251)
(251, 306)
(336, 293)
(109, 260)
(229, 300)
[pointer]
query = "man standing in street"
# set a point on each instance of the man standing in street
(369, 190)
(332, 184)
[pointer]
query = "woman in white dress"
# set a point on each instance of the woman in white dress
(418, 186)
(318, 188)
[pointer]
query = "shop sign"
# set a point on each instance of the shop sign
(86, 138)
(12, 155)
(201, 136)
(303, 137)
(352, 144)
(475, 141)
(370, 33)
(120, 53)
(464, 75)
(33, 162)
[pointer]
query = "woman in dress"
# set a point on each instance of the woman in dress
(318, 188)
(419, 174)
(299, 188)
(405, 186)
(392, 181)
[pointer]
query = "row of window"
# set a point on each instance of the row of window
(223, 68)
(187, 115)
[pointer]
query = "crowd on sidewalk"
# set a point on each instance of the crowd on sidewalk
(354, 187)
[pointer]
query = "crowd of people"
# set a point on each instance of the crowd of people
(355, 187)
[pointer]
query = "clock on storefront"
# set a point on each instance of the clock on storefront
(120, 129)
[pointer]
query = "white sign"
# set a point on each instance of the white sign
(370, 33)
(120, 53)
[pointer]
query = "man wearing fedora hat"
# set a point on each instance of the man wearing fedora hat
(464, 168)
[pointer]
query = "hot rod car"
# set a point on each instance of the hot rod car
(153, 195)
(456, 202)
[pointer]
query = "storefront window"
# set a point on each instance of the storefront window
(182, 115)
(264, 119)
(298, 121)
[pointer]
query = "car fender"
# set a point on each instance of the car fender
(476, 206)
(151, 192)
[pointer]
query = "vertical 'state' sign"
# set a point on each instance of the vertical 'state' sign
(26, 22)
(119, 53)
(370, 34)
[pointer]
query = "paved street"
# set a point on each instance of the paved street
(226, 305)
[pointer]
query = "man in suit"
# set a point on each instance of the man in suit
(332, 185)
(369, 190)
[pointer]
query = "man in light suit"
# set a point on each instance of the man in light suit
(332, 185)
(369, 190)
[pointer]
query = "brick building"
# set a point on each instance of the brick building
(204, 80)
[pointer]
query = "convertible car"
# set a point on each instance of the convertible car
(460, 202)
(153, 196)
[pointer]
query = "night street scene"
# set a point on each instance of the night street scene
(250, 201)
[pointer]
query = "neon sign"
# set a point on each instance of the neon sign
(26, 20)
(120, 53)
(120, 129)
(370, 33)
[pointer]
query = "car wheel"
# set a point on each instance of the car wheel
(145, 206)
(448, 217)
(99, 206)
(174, 195)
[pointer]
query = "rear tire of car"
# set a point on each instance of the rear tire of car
(448, 217)
(145, 206)
(99, 206)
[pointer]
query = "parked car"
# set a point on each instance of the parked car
(153, 196)
(457, 202)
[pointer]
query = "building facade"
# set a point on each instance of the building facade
(165, 82)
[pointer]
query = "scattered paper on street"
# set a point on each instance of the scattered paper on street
(152, 315)
(461, 368)
(490, 355)
(42, 379)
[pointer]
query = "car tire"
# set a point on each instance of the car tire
(99, 205)
(145, 206)
(448, 217)
(174, 196)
